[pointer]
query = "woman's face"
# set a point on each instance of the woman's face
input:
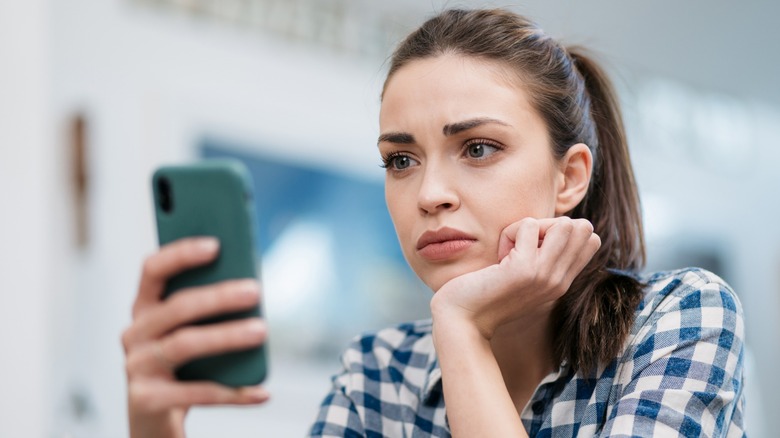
(466, 156)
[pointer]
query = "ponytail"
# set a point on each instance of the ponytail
(597, 314)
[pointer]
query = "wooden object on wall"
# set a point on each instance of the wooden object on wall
(79, 178)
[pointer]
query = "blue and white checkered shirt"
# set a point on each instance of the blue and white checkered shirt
(680, 373)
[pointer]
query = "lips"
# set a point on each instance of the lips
(443, 244)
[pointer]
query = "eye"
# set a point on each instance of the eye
(481, 149)
(398, 161)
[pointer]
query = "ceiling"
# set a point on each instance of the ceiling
(713, 45)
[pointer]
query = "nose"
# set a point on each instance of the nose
(438, 192)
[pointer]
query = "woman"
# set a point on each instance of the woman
(512, 194)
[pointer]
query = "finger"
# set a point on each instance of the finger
(190, 305)
(546, 224)
(506, 241)
(527, 239)
(155, 395)
(171, 259)
(577, 244)
(570, 251)
(161, 357)
(583, 255)
(193, 342)
(555, 239)
(509, 234)
(586, 252)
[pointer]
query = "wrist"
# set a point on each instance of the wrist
(454, 321)
(164, 425)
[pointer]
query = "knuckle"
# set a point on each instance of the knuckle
(566, 224)
(528, 220)
(225, 291)
(551, 281)
(554, 279)
(236, 293)
(180, 343)
(180, 306)
(141, 395)
(136, 310)
(559, 284)
(595, 241)
(580, 230)
(135, 392)
(132, 362)
(129, 369)
(149, 266)
(126, 338)
(190, 341)
(215, 298)
(585, 225)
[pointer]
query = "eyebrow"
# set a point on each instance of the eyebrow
(448, 130)
(458, 127)
(396, 137)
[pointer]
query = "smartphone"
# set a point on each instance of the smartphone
(213, 198)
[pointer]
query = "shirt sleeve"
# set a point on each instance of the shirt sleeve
(338, 415)
(685, 375)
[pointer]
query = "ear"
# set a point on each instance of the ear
(574, 178)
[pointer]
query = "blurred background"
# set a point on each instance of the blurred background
(94, 94)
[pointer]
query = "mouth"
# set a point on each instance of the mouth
(443, 244)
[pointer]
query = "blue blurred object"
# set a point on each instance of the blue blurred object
(342, 270)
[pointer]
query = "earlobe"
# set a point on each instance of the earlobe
(576, 168)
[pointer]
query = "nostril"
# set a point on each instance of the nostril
(446, 205)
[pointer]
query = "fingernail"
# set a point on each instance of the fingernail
(257, 394)
(209, 244)
(255, 327)
(249, 287)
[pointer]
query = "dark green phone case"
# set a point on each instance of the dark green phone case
(212, 198)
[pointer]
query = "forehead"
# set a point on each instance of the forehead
(454, 87)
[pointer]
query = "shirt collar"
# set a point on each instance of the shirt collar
(431, 388)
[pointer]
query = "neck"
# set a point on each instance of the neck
(524, 352)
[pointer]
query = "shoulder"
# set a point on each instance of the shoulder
(691, 292)
(667, 285)
(685, 308)
(683, 363)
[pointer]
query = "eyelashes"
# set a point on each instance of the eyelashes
(478, 150)
(481, 149)
(387, 159)
(396, 161)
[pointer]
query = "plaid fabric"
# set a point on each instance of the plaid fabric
(680, 374)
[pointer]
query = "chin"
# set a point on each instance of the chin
(437, 276)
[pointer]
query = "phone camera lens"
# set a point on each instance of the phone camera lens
(164, 194)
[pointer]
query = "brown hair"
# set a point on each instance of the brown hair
(575, 98)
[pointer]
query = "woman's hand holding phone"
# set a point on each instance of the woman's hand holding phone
(162, 337)
(538, 261)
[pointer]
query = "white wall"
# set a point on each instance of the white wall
(151, 85)
(28, 270)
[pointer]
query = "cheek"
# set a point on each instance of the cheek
(514, 198)
(400, 213)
